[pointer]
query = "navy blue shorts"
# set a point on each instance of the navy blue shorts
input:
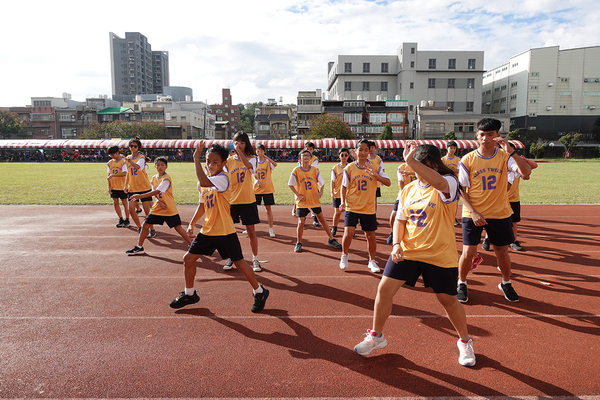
(143, 199)
(337, 202)
(172, 220)
(499, 231)
(378, 192)
(247, 212)
(228, 246)
(303, 212)
(267, 198)
(396, 204)
(441, 280)
(368, 222)
(516, 207)
(118, 194)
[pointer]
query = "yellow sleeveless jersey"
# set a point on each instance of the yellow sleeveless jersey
(263, 174)
(116, 167)
(485, 180)
(376, 163)
(138, 178)
(408, 178)
(429, 232)
(337, 175)
(166, 196)
(240, 181)
(513, 192)
(361, 189)
(217, 214)
(307, 183)
(451, 163)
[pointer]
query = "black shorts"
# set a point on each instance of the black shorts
(247, 212)
(499, 231)
(303, 212)
(396, 204)
(267, 198)
(516, 207)
(228, 246)
(142, 199)
(441, 280)
(368, 222)
(118, 194)
(378, 192)
(172, 220)
(337, 203)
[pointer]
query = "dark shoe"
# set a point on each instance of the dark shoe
(486, 244)
(516, 246)
(390, 238)
(334, 243)
(509, 292)
(138, 211)
(228, 265)
(316, 222)
(184, 300)
(126, 223)
(135, 251)
(334, 231)
(121, 223)
(456, 223)
(462, 293)
(259, 300)
(298, 248)
(151, 233)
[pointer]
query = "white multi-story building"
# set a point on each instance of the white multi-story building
(308, 109)
(546, 90)
(450, 79)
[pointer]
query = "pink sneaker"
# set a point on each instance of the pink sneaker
(476, 261)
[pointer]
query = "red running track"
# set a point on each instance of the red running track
(80, 319)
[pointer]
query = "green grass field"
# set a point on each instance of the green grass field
(553, 182)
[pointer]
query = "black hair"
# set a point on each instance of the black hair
(372, 144)
(489, 124)
(262, 147)
(513, 146)
(113, 149)
(303, 151)
(428, 154)
(451, 143)
(309, 144)
(161, 158)
(361, 141)
(343, 149)
(137, 141)
(243, 137)
(220, 150)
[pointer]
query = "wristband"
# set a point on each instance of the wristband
(395, 244)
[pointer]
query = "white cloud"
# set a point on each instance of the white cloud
(270, 48)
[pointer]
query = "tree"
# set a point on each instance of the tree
(450, 136)
(536, 149)
(330, 126)
(120, 129)
(514, 135)
(387, 133)
(10, 124)
(247, 115)
(570, 140)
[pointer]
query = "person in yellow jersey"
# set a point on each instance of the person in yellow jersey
(484, 175)
(136, 182)
(451, 161)
(307, 185)
(359, 186)
(241, 166)
(376, 162)
(424, 245)
(163, 210)
(116, 170)
(405, 176)
(263, 183)
(217, 232)
(337, 175)
(314, 161)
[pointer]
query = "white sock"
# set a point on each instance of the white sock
(189, 291)
(270, 229)
(504, 283)
(460, 282)
(259, 290)
(254, 257)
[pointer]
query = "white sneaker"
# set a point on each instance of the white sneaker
(370, 343)
(228, 265)
(256, 266)
(271, 233)
(245, 232)
(373, 266)
(344, 261)
(467, 354)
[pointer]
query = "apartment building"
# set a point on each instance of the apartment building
(309, 106)
(273, 120)
(227, 111)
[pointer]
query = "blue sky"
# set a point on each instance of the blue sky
(266, 49)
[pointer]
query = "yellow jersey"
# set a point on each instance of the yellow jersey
(429, 231)
(376, 162)
(451, 162)
(138, 178)
(165, 185)
(307, 183)
(406, 179)
(361, 189)
(513, 192)
(116, 167)
(263, 174)
(337, 175)
(240, 179)
(217, 220)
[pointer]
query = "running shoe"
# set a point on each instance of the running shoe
(371, 342)
(467, 354)
(298, 248)
(486, 244)
(476, 261)
(126, 223)
(344, 261)
(228, 265)
(137, 250)
(462, 293)
(271, 233)
(256, 266)
(373, 266)
(121, 223)
(390, 238)
(516, 246)
(334, 243)
(509, 292)
(334, 231)
(259, 300)
(184, 300)
(316, 223)
(151, 233)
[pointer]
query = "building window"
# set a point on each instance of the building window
(348, 68)
(412, 50)
(366, 68)
(535, 74)
(412, 64)
(514, 96)
(384, 86)
(431, 83)
(412, 85)
(534, 87)
(533, 101)
(566, 93)
(451, 83)
(384, 68)
(347, 86)
(353, 118)
(451, 106)
(564, 79)
(432, 63)
(470, 106)
(452, 63)
(65, 117)
(470, 83)
(471, 63)
(562, 106)
(514, 84)
(377, 118)
(365, 86)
